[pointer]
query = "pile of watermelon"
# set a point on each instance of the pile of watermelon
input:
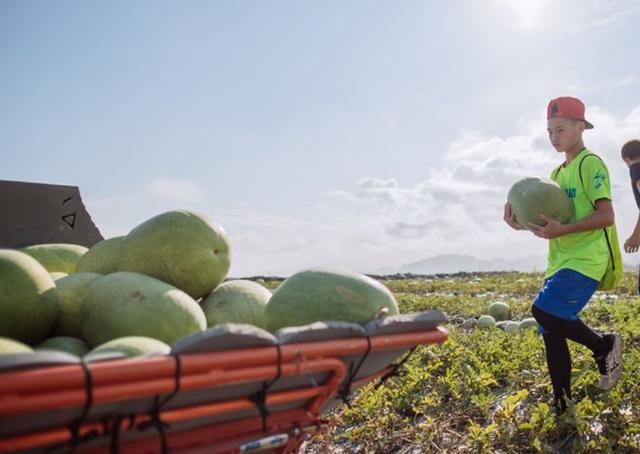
(499, 316)
(140, 293)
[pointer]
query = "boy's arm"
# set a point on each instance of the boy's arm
(633, 242)
(602, 217)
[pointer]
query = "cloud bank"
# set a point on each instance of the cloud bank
(381, 223)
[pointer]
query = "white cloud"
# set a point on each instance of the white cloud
(599, 15)
(117, 214)
(177, 191)
(606, 84)
(381, 223)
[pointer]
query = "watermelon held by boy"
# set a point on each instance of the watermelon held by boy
(531, 197)
(328, 295)
(237, 301)
(28, 297)
(132, 304)
(57, 257)
(181, 248)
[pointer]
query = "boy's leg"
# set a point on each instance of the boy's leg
(556, 309)
(607, 349)
(574, 330)
(559, 364)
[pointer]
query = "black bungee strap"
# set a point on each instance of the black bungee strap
(75, 426)
(260, 398)
(156, 419)
(345, 391)
(395, 369)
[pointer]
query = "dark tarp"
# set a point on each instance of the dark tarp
(34, 213)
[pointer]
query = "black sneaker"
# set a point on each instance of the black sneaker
(610, 364)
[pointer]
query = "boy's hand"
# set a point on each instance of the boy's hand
(510, 218)
(552, 228)
(632, 244)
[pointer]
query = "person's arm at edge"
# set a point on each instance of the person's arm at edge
(632, 244)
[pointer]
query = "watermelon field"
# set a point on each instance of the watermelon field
(486, 390)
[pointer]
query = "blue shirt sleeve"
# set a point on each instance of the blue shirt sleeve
(634, 173)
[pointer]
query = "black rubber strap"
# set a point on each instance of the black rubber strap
(156, 419)
(76, 425)
(176, 378)
(395, 369)
(345, 390)
(114, 447)
(157, 422)
(260, 398)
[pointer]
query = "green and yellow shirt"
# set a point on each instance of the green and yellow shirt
(584, 252)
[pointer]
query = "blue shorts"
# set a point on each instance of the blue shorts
(565, 294)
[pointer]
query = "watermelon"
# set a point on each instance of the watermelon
(181, 248)
(129, 346)
(11, 346)
(511, 327)
(56, 275)
(499, 310)
(328, 295)
(28, 297)
(71, 345)
(103, 257)
(531, 197)
(71, 291)
(57, 257)
(485, 321)
(528, 323)
(237, 301)
(131, 304)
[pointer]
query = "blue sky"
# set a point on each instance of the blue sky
(361, 135)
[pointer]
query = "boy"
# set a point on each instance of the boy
(631, 156)
(578, 254)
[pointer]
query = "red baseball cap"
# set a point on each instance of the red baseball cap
(567, 107)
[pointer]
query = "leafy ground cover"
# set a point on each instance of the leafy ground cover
(487, 390)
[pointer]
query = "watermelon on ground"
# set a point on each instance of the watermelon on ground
(531, 197)
(486, 321)
(28, 297)
(57, 257)
(328, 295)
(103, 257)
(499, 310)
(181, 248)
(237, 301)
(511, 327)
(528, 323)
(132, 304)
